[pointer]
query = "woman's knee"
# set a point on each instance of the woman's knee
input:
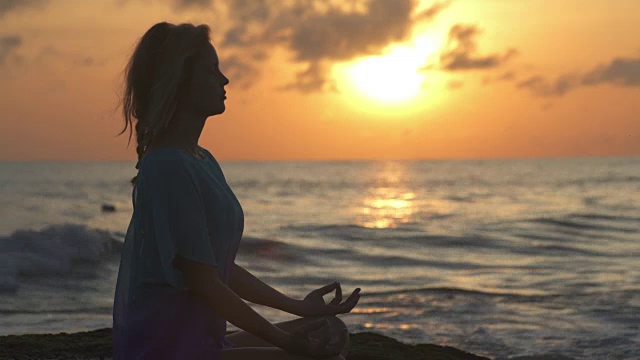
(334, 321)
(337, 322)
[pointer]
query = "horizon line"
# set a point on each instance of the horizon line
(560, 157)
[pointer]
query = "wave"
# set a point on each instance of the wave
(569, 296)
(570, 222)
(399, 235)
(450, 291)
(74, 310)
(595, 216)
(272, 249)
(53, 250)
(340, 231)
(601, 180)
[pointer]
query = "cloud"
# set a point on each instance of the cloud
(310, 80)
(238, 71)
(461, 51)
(318, 33)
(505, 76)
(7, 6)
(8, 45)
(433, 11)
(49, 55)
(619, 71)
(542, 87)
(184, 4)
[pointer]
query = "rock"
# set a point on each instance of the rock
(108, 208)
(373, 346)
(96, 344)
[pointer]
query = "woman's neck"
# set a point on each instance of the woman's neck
(184, 131)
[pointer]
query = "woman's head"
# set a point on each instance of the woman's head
(173, 67)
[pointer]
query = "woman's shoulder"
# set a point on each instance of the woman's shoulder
(164, 159)
(166, 155)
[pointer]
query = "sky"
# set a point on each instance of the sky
(337, 80)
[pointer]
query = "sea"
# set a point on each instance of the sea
(510, 259)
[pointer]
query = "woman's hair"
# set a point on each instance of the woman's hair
(156, 77)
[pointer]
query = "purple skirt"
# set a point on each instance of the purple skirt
(165, 324)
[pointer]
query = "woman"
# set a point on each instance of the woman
(178, 283)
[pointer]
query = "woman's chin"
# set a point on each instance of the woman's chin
(218, 110)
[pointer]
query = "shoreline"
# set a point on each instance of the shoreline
(96, 344)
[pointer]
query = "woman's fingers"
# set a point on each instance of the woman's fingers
(355, 295)
(328, 288)
(338, 297)
(351, 301)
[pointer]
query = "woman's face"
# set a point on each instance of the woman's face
(207, 92)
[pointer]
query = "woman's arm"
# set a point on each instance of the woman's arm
(204, 281)
(250, 288)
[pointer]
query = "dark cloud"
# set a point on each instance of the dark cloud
(320, 32)
(7, 6)
(433, 11)
(311, 79)
(542, 87)
(619, 71)
(461, 51)
(238, 71)
(186, 4)
(341, 36)
(505, 76)
(8, 44)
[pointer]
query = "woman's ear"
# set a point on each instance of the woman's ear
(187, 68)
(185, 78)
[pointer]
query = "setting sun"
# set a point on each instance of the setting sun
(393, 77)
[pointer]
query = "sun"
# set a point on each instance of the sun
(394, 77)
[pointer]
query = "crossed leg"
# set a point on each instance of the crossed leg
(248, 346)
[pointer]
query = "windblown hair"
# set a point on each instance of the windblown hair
(156, 78)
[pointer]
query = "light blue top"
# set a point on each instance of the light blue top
(182, 206)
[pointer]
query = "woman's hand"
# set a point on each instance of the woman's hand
(300, 343)
(314, 305)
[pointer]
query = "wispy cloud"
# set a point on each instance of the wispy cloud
(461, 51)
(49, 54)
(182, 4)
(7, 6)
(619, 71)
(8, 45)
(505, 76)
(239, 71)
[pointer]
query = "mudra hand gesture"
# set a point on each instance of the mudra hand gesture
(313, 304)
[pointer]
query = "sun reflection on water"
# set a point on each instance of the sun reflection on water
(388, 203)
(369, 325)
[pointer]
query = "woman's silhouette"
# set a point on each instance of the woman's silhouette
(178, 283)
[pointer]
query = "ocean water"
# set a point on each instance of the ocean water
(504, 258)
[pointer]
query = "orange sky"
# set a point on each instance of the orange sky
(471, 79)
